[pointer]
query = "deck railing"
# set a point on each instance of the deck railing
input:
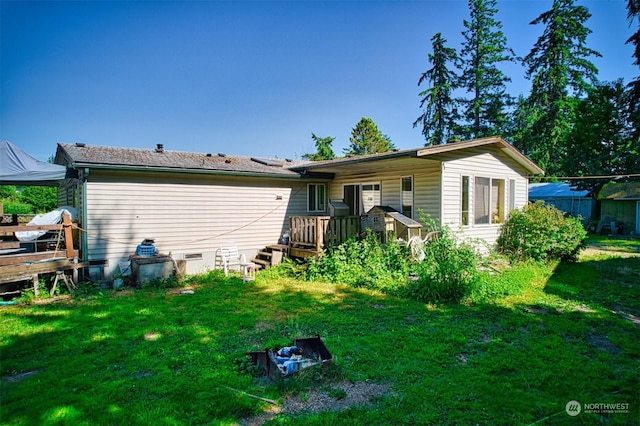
(313, 233)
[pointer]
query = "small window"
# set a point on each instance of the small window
(465, 200)
(407, 196)
(316, 197)
(512, 195)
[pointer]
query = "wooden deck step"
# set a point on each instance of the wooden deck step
(267, 254)
(263, 263)
(278, 247)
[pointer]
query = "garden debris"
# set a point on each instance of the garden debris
(304, 353)
(270, 401)
(20, 376)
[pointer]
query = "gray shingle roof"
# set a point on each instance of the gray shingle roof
(81, 155)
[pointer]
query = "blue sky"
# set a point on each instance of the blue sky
(244, 78)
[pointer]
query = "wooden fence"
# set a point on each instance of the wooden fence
(309, 234)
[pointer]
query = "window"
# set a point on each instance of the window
(488, 205)
(370, 196)
(497, 200)
(465, 200)
(512, 195)
(316, 197)
(353, 198)
(407, 196)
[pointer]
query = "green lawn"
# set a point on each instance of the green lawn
(164, 358)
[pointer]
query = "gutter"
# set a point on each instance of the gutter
(294, 176)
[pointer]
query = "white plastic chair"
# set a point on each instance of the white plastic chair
(228, 256)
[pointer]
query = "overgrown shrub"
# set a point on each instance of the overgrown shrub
(362, 263)
(542, 233)
(447, 273)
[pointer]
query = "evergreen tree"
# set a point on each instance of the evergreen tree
(440, 113)
(560, 71)
(633, 8)
(484, 48)
(324, 150)
(367, 139)
(601, 140)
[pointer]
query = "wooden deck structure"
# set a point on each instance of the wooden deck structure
(28, 266)
(308, 235)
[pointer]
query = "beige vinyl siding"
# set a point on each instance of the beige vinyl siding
(426, 185)
(189, 216)
(479, 164)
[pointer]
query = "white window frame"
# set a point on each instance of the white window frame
(402, 191)
(320, 204)
(501, 200)
(468, 211)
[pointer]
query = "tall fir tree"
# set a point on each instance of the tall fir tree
(486, 110)
(601, 139)
(366, 138)
(560, 71)
(633, 14)
(324, 149)
(440, 114)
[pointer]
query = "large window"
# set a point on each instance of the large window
(316, 197)
(488, 205)
(407, 196)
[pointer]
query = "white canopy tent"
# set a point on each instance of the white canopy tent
(19, 168)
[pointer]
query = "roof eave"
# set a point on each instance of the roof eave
(355, 160)
(506, 147)
(117, 167)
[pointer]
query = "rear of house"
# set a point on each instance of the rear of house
(191, 204)
(470, 186)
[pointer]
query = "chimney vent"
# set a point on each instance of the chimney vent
(159, 148)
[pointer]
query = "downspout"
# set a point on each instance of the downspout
(441, 203)
(85, 238)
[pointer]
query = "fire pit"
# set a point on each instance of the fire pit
(303, 353)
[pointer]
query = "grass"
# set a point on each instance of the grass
(156, 356)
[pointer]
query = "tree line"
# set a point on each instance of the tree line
(570, 124)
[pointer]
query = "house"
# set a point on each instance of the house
(620, 203)
(564, 197)
(194, 203)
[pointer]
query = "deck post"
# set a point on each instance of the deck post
(68, 235)
(319, 234)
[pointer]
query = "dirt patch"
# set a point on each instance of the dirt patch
(338, 398)
(603, 342)
(595, 251)
(335, 397)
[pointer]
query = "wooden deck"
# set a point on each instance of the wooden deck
(309, 235)
(28, 266)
